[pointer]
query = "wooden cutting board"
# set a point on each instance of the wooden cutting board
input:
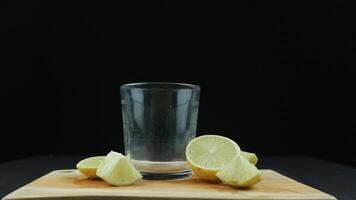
(70, 184)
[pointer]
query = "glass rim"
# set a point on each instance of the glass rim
(180, 86)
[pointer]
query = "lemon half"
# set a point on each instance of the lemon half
(208, 154)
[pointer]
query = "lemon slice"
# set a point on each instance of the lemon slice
(251, 157)
(239, 172)
(89, 166)
(208, 154)
(118, 170)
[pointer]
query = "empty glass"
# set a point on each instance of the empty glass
(159, 120)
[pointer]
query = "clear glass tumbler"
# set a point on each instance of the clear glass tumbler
(159, 120)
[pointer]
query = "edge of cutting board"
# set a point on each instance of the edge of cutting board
(30, 188)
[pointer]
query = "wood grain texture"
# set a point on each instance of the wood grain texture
(70, 184)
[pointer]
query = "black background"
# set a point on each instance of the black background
(276, 77)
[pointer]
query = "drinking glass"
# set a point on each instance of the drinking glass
(159, 120)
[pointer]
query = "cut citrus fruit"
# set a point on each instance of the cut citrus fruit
(117, 169)
(239, 172)
(208, 154)
(251, 157)
(89, 166)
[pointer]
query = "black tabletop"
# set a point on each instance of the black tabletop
(335, 179)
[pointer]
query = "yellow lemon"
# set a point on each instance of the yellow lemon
(116, 169)
(239, 172)
(208, 154)
(251, 157)
(89, 166)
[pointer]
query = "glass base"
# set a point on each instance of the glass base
(167, 176)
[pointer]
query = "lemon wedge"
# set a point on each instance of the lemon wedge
(116, 169)
(89, 166)
(239, 172)
(251, 157)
